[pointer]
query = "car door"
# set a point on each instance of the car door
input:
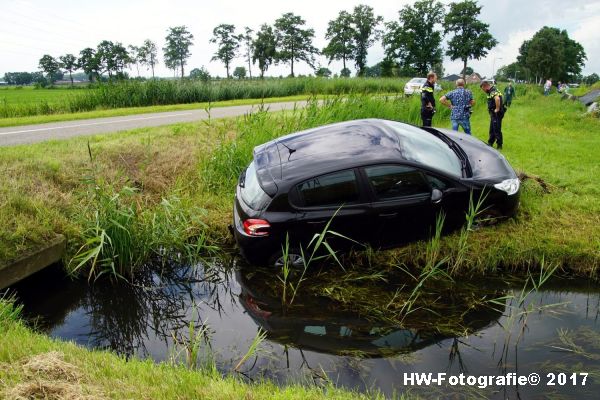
(402, 208)
(318, 199)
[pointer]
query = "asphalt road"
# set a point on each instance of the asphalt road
(62, 130)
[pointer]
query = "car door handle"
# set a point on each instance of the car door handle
(388, 215)
(316, 222)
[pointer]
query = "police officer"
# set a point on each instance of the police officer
(496, 110)
(427, 99)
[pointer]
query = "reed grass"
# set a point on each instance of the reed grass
(168, 92)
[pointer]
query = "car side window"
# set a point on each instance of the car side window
(392, 181)
(437, 183)
(330, 190)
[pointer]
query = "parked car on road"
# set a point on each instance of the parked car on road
(385, 181)
(415, 84)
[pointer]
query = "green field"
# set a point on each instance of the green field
(29, 105)
(28, 95)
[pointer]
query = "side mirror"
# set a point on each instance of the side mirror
(436, 196)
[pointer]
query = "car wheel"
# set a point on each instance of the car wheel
(294, 257)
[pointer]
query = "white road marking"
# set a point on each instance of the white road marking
(96, 123)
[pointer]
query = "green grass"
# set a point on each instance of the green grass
(42, 190)
(35, 366)
(127, 94)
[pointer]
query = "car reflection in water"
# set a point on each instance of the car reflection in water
(326, 326)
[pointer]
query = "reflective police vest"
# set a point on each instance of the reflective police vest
(491, 101)
(427, 95)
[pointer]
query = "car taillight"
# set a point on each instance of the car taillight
(256, 227)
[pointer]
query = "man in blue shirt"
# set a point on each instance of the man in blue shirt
(459, 101)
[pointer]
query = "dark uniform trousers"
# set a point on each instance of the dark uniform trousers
(495, 129)
(495, 118)
(427, 117)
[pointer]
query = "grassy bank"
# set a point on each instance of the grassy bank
(192, 168)
(27, 102)
(35, 366)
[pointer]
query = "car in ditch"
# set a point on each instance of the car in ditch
(374, 181)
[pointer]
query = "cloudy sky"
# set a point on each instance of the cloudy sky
(31, 28)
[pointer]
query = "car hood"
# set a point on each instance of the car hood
(487, 163)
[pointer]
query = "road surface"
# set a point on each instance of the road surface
(62, 130)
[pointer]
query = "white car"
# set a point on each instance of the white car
(415, 84)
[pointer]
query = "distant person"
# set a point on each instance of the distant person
(459, 101)
(509, 93)
(547, 87)
(427, 99)
(496, 110)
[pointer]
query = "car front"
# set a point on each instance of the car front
(490, 172)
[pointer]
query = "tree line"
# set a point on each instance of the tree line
(412, 46)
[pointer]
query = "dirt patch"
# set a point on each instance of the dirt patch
(48, 376)
(545, 186)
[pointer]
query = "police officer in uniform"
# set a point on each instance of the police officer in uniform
(496, 110)
(427, 99)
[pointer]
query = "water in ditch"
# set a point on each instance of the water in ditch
(342, 328)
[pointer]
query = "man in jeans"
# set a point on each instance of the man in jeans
(459, 101)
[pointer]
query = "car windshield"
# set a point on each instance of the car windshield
(251, 192)
(417, 80)
(419, 146)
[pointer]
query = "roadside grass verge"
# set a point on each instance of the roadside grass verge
(43, 189)
(35, 366)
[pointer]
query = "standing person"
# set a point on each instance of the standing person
(547, 86)
(459, 101)
(496, 110)
(509, 93)
(427, 99)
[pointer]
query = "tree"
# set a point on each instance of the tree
(340, 33)
(177, 49)
(588, 80)
(200, 73)
(228, 44)
(239, 72)
(513, 71)
(50, 66)
(69, 63)
(413, 40)
(135, 56)
(467, 71)
(323, 72)
(294, 43)
(471, 39)
(365, 33)
(148, 54)
(113, 58)
(552, 54)
(264, 48)
(248, 41)
(89, 62)
(345, 73)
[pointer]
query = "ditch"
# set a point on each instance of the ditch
(224, 314)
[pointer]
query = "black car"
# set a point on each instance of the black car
(386, 180)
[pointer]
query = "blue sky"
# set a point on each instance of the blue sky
(31, 28)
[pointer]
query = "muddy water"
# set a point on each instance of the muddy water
(478, 329)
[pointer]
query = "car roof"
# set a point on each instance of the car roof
(330, 148)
